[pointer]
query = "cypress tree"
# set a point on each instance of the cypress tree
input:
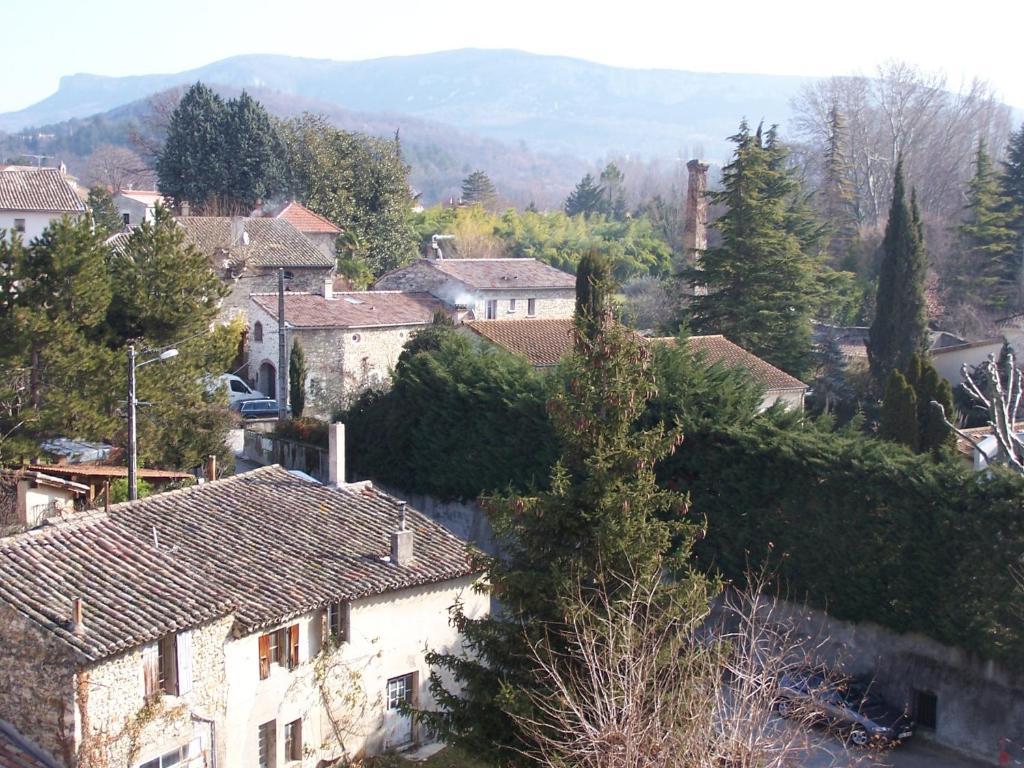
(935, 436)
(898, 421)
(251, 158)
(191, 164)
(594, 289)
(899, 328)
(760, 282)
(838, 206)
(297, 372)
(986, 274)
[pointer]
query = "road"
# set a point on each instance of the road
(828, 751)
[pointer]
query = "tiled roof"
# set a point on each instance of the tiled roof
(283, 546)
(542, 342)
(16, 751)
(132, 592)
(272, 242)
(354, 309)
(503, 274)
(118, 243)
(304, 220)
(38, 189)
(717, 349)
(87, 470)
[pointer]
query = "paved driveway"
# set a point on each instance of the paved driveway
(828, 751)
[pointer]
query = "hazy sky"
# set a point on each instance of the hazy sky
(983, 38)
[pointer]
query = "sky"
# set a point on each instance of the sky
(983, 38)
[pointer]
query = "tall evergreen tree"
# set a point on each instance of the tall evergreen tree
(760, 281)
(603, 515)
(837, 198)
(986, 275)
(297, 372)
(898, 421)
(104, 213)
(478, 189)
(594, 289)
(587, 198)
(191, 166)
(900, 327)
(1012, 183)
(612, 181)
(252, 156)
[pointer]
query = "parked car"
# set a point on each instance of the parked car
(238, 391)
(846, 705)
(258, 409)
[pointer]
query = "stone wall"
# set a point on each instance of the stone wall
(255, 280)
(118, 725)
(37, 684)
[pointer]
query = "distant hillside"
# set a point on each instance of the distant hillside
(552, 104)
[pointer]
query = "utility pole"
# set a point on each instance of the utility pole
(282, 351)
(133, 459)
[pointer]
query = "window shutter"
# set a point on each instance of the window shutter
(184, 641)
(325, 629)
(151, 669)
(264, 657)
(293, 646)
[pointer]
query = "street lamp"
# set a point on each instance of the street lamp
(133, 458)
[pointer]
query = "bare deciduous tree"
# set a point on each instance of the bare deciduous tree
(117, 168)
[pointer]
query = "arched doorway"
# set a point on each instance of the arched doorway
(268, 380)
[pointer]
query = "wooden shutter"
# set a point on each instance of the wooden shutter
(293, 646)
(184, 642)
(151, 669)
(264, 657)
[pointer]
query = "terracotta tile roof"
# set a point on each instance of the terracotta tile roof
(353, 309)
(304, 220)
(542, 342)
(282, 546)
(504, 274)
(965, 447)
(16, 751)
(38, 189)
(716, 349)
(87, 470)
(132, 592)
(272, 242)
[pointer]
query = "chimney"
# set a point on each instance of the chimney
(77, 624)
(401, 540)
(237, 231)
(695, 221)
(328, 288)
(336, 454)
(185, 208)
(210, 472)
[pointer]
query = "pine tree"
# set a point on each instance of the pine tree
(587, 198)
(1012, 184)
(252, 156)
(899, 328)
(104, 213)
(838, 199)
(191, 166)
(760, 282)
(297, 373)
(898, 421)
(987, 270)
(603, 515)
(478, 189)
(614, 204)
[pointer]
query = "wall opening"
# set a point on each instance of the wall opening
(926, 709)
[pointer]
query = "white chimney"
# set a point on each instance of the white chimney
(237, 231)
(336, 453)
(185, 208)
(77, 623)
(401, 540)
(328, 288)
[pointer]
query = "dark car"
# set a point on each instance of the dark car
(258, 409)
(846, 705)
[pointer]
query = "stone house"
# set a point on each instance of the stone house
(263, 619)
(545, 342)
(490, 289)
(247, 253)
(30, 198)
(28, 497)
(351, 340)
(322, 232)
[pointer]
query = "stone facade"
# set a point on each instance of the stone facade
(257, 280)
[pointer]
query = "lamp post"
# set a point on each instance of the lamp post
(133, 458)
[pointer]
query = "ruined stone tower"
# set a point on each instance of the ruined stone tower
(695, 226)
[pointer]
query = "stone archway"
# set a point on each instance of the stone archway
(268, 379)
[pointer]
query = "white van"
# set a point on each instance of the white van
(238, 390)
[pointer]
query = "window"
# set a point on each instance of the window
(511, 306)
(19, 225)
(180, 756)
(257, 331)
(399, 690)
(336, 622)
(237, 386)
(492, 309)
(531, 307)
(293, 740)
(267, 743)
(167, 665)
(279, 647)
(926, 709)
(126, 219)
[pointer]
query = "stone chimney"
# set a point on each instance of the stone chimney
(210, 471)
(402, 540)
(237, 231)
(328, 288)
(336, 454)
(695, 222)
(77, 623)
(185, 208)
